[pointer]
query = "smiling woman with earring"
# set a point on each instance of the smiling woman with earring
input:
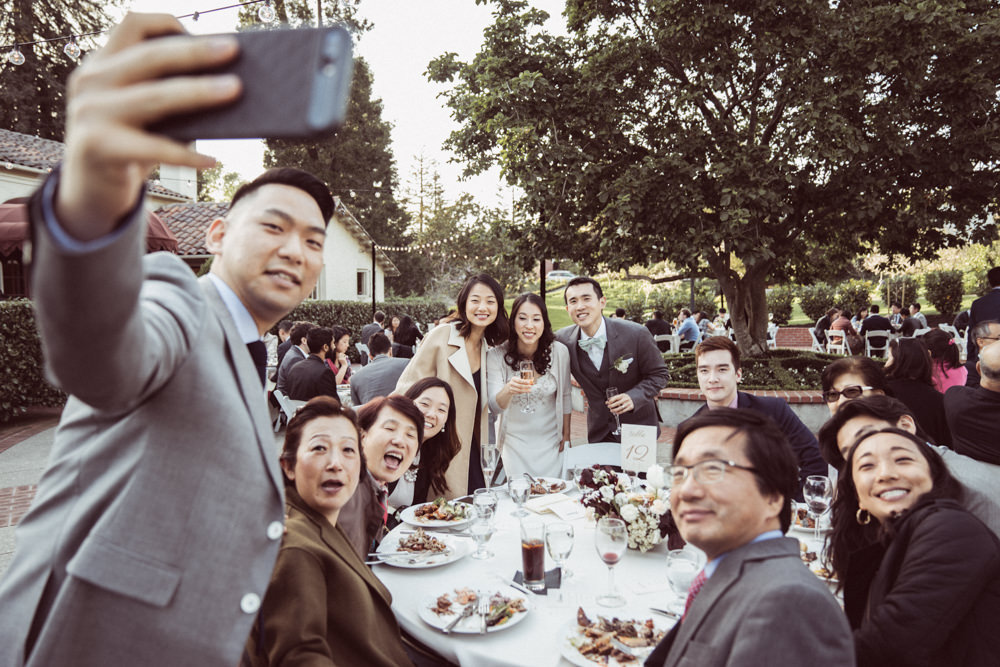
(534, 422)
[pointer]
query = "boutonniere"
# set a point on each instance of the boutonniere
(621, 364)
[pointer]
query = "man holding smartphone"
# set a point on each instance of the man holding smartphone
(155, 527)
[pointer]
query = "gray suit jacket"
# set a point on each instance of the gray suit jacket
(156, 525)
(761, 607)
(645, 377)
(378, 378)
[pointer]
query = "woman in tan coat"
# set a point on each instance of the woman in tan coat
(323, 606)
(456, 353)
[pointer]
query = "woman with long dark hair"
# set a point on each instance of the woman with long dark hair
(947, 369)
(908, 373)
(931, 570)
(337, 358)
(456, 353)
(533, 426)
(407, 335)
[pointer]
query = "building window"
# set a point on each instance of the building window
(364, 283)
(12, 282)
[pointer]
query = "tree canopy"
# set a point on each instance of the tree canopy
(788, 136)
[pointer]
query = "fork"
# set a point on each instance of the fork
(484, 610)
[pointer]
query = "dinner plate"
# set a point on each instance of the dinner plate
(572, 637)
(824, 523)
(458, 547)
(570, 486)
(408, 515)
(470, 625)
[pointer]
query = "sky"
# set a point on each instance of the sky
(406, 36)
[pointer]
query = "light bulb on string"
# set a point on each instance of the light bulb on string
(266, 13)
(15, 57)
(72, 49)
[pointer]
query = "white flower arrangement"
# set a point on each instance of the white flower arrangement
(622, 363)
(608, 494)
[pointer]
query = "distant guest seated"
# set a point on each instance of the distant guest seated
(974, 412)
(323, 606)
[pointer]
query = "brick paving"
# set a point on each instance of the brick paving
(14, 503)
(24, 426)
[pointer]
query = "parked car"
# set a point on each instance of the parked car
(559, 275)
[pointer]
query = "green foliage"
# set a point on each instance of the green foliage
(815, 300)
(215, 185)
(944, 290)
(902, 288)
(23, 384)
(779, 303)
(789, 370)
(855, 295)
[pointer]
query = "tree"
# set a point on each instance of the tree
(34, 92)
(698, 132)
(214, 184)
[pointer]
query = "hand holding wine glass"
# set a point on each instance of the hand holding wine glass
(611, 540)
(818, 493)
(610, 393)
(526, 369)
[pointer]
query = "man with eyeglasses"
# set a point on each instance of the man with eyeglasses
(981, 334)
(733, 478)
(719, 374)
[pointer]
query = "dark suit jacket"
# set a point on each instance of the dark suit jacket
(310, 378)
(799, 436)
(642, 381)
(984, 308)
(294, 356)
(283, 349)
(972, 414)
(378, 378)
(324, 606)
(660, 328)
(158, 519)
(875, 323)
(762, 606)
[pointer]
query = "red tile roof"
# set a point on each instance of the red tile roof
(189, 222)
(26, 150)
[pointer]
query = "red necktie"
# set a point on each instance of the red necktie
(693, 591)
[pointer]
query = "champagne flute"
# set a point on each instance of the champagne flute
(559, 542)
(610, 393)
(481, 530)
(518, 489)
(489, 455)
(527, 370)
(682, 568)
(818, 492)
(611, 540)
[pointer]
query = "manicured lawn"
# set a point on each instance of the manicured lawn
(799, 318)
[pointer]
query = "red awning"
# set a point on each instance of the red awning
(14, 229)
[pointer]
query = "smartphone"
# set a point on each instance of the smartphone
(295, 85)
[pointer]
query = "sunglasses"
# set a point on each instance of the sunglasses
(850, 393)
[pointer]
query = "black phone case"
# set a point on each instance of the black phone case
(295, 85)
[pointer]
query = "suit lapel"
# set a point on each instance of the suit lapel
(459, 359)
(248, 379)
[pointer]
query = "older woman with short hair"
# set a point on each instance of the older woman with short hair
(323, 606)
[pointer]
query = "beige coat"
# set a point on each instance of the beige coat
(442, 354)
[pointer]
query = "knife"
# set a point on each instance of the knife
(665, 612)
(467, 612)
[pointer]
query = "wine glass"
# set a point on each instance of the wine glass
(485, 498)
(611, 540)
(518, 489)
(481, 530)
(818, 492)
(682, 568)
(489, 455)
(610, 393)
(527, 370)
(559, 542)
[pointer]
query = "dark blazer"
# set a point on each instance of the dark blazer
(378, 378)
(310, 378)
(660, 328)
(155, 526)
(324, 606)
(936, 597)
(984, 308)
(799, 436)
(645, 376)
(760, 607)
(283, 349)
(927, 405)
(294, 356)
(361, 518)
(875, 323)
(972, 418)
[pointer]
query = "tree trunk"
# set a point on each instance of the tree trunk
(747, 298)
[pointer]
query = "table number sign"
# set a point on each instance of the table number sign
(638, 447)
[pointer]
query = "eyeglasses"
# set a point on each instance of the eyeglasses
(850, 393)
(709, 471)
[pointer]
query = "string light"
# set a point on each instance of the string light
(266, 13)
(72, 49)
(15, 57)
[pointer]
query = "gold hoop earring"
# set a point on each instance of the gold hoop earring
(863, 516)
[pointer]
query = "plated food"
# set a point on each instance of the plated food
(802, 521)
(420, 542)
(439, 513)
(546, 485)
(813, 562)
(507, 607)
(419, 549)
(592, 641)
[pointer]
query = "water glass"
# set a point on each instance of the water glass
(611, 540)
(559, 542)
(818, 493)
(533, 553)
(486, 498)
(481, 530)
(682, 567)
(518, 489)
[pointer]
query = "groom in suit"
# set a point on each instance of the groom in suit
(732, 479)
(156, 525)
(607, 353)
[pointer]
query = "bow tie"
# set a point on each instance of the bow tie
(587, 343)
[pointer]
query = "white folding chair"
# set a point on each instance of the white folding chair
(959, 340)
(673, 340)
(882, 349)
(836, 342)
(772, 333)
(816, 345)
(595, 453)
(921, 332)
(288, 406)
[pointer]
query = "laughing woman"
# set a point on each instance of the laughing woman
(535, 414)
(456, 353)
(323, 606)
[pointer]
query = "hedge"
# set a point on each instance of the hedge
(779, 303)
(855, 295)
(944, 291)
(24, 383)
(904, 289)
(788, 370)
(816, 299)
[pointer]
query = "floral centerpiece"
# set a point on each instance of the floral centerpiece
(609, 493)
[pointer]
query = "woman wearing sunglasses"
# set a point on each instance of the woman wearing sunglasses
(851, 378)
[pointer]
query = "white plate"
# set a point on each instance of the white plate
(470, 625)
(570, 486)
(409, 516)
(824, 524)
(571, 633)
(458, 547)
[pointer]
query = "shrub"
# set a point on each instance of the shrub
(779, 303)
(904, 289)
(855, 294)
(23, 384)
(816, 299)
(671, 299)
(944, 290)
(789, 370)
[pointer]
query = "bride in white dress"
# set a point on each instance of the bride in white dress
(534, 417)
